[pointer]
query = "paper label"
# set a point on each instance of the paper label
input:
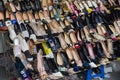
(94, 4)
(89, 3)
(93, 65)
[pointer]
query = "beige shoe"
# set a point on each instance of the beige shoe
(62, 41)
(40, 66)
(67, 39)
(59, 59)
(25, 17)
(73, 37)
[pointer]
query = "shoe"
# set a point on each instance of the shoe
(2, 25)
(27, 5)
(21, 69)
(52, 44)
(65, 59)
(71, 58)
(7, 15)
(105, 49)
(13, 19)
(12, 7)
(23, 8)
(50, 4)
(90, 50)
(59, 59)
(25, 33)
(67, 39)
(62, 41)
(25, 17)
(38, 5)
(11, 30)
(17, 5)
(99, 50)
(33, 25)
(79, 37)
(73, 37)
(37, 18)
(25, 48)
(32, 4)
(40, 66)
(32, 47)
(17, 28)
(76, 57)
(44, 5)
(31, 33)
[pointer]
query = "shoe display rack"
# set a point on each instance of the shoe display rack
(51, 39)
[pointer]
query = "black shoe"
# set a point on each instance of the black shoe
(17, 28)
